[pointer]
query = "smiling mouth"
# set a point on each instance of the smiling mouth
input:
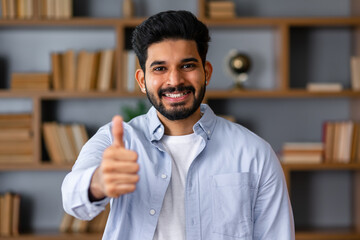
(176, 95)
(176, 92)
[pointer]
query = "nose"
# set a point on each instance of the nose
(175, 78)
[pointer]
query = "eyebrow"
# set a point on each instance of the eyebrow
(189, 60)
(157, 63)
(183, 61)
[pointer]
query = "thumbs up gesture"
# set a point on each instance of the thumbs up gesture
(117, 173)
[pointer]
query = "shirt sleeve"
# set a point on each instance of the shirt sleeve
(76, 183)
(273, 218)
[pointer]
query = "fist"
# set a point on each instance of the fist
(117, 174)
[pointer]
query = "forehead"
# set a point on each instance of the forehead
(172, 50)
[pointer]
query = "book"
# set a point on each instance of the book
(16, 159)
(222, 5)
(328, 139)
(16, 134)
(67, 8)
(57, 71)
(15, 120)
(16, 147)
(29, 9)
(80, 136)
(69, 70)
(97, 225)
(4, 9)
(30, 81)
(302, 158)
(66, 223)
(79, 226)
(355, 73)
(65, 142)
(11, 7)
(221, 9)
(52, 143)
(302, 152)
(16, 199)
(305, 146)
(82, 70)
(87, 70)
(21, 9)
(324, 87)
(6, 214)
(106, 70)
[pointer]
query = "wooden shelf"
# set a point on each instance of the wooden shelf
(56, 236)
(290, 21)
(327, 234)
(279, 94)
(35, 167)
(72, 22)
(239, 21)
(323, 166)
(213, 94)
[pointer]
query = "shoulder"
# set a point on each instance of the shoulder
(239, 133)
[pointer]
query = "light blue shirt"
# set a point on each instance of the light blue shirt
(235, 187)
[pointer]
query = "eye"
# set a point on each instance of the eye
(158, 69)
(188, 66)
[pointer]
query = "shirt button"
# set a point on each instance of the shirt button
(152, 212)
(163, 176)
(209, 132)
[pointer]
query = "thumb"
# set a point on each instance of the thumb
(118, 131)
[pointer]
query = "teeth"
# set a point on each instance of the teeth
(173, 95)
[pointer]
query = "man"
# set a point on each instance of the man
(179, 172)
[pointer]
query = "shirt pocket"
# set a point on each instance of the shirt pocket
(232, 204)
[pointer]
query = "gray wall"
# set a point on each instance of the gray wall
(320, 198)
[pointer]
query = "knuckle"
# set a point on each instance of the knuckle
(136, 178)
(132, 188)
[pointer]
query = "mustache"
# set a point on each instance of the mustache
(176, 89)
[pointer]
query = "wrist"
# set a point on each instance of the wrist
(95, 192)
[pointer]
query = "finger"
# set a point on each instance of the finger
(118, 131)
(121, 167)
(119, 154)
(123, 178)
(117, 190)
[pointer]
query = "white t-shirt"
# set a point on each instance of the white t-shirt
(171, 224)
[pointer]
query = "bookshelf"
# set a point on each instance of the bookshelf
(279, 33)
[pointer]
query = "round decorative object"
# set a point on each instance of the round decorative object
(238, 65)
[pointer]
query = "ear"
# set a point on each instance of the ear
(208, 72)
(140, 78)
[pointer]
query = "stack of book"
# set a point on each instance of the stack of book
(221, 9)
(26, 9)
(342, 141)
(131, 64)
(302, 152)
(16, 139)
(63, 142)
(30, 81)
(355, 73)
(86, 71)
(9, 214)
(69, 224)
(324, 87)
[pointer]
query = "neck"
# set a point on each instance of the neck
(180, 127)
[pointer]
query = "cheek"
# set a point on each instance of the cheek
(153, 84)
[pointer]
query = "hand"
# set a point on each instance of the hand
(117, 174)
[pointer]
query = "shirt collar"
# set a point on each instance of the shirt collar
(204, 127)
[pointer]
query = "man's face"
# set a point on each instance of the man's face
(175, 78)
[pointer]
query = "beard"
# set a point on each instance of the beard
(178, 111)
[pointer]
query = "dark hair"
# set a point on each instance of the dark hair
(170, 25)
